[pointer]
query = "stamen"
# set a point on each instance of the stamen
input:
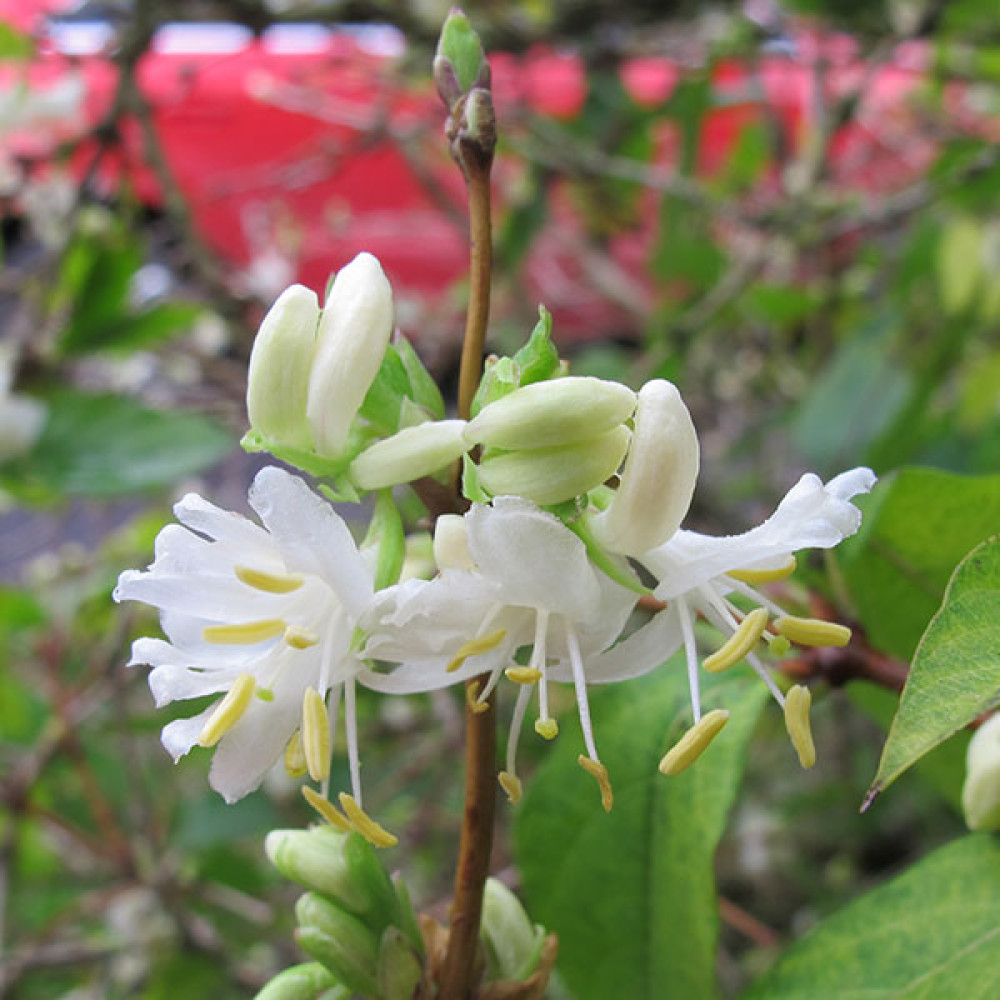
(351, 731)
(295, 758)
(377, 836)
(797, 703)
(739, 643)
(765, 675)
(523, 675)
(243, 635)
(691, 652)
(270, 583)
(300, 638)
(327, 810)
(548, 729)
(694, 742)
(483, 644)
(755, 576)
(511, 784)
(812, 631)
(580, 687)
(317, 740)
(472, 698)
(600, 773)
(229, 711)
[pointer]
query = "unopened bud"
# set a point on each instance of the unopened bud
(308, 981)
(451, 543)
(513, 943)
(354, 330)
(399, 969)
(659, 475)
(460, 62)
(280, 362)
(409, 454)
(557, 412)
(981, 792)
(316, 859)
(340, 941)
(553, 475)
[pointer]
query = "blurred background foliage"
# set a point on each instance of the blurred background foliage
(790, 209)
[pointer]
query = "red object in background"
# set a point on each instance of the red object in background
(299, 148)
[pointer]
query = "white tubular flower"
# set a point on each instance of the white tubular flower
(559, 411)
(659, 475)
(409, 454)
(531, 584)
(263, 616)
(354, 331)
(981, 791)
(280, 363)
(698, 573)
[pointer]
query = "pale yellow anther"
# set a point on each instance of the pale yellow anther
(812, 631)
(377, 836)
(548, 729)
(739, 643)
(316, 736)
(755, 576)
(481, 645)
(523, 675)
(600, 773)
(472, 699)
(797, 703)
(295, 758)
(229, 711)
(327, 810)
(300, 638)
(243, 635)
(270, 583)
(694, 742)
(511, 784)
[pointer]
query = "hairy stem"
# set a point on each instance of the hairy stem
(475, 846)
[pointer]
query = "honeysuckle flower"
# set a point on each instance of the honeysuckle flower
(409, 454)
(699, 574)
(518, 578)
(981, 790)
(311, 368)
(263, 615)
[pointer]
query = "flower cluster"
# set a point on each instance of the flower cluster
(572, 497)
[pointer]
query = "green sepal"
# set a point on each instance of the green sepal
(385, 533)
(471, 489)
(384, 398)
(366, 867)
(424, 390)
(501, 378)
(308, 461)
(407, 922)
(399, 968)
(308, 981)
(341, 491)
(538, 360)
(616, 569)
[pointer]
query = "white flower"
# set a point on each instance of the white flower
(521, 579)
(698, 573)
(265, 616)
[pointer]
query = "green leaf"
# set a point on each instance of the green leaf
(917, 525)
(423, 389)
(460, 46)
(956, 671)
(631, 893)
(104, 445)
(538, 360)
(384, 398)
(131, 331)
(934, 932)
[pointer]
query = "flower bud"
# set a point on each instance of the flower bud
(659, 475)
(354, 330)
(340, 941)
(409, 454)
(552, 475)
(451, 543)
(513, 943)
(301, 982)
(316, 859)
(399, 969)
(282, 356)
(460, 62)
(981, 792)
(556, 412)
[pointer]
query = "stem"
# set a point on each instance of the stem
(476, 843)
